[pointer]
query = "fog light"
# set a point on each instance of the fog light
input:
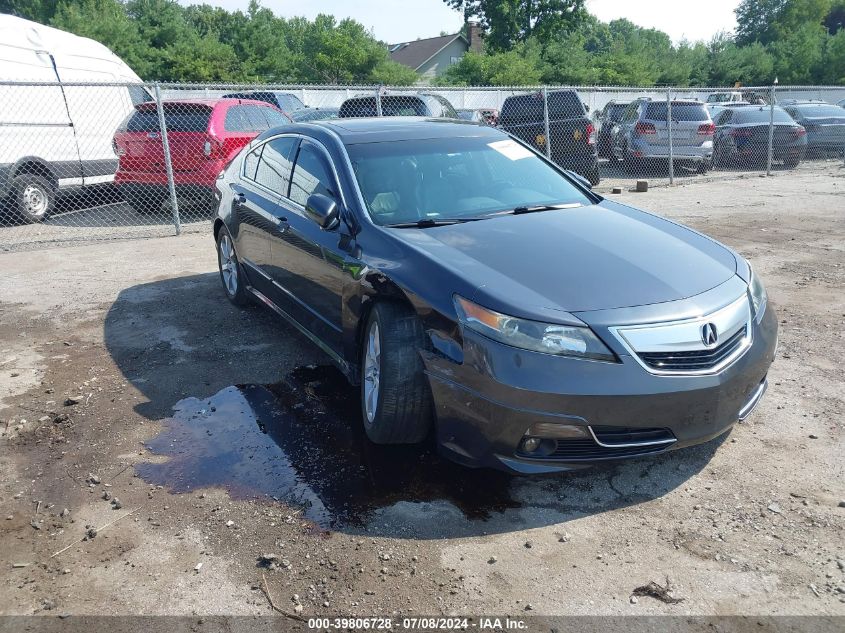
(531, 444)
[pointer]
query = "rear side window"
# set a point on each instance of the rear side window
(246, 118)
(311, 175)
(615, 111)
(274, 165)
(657, 111)
(179, 117)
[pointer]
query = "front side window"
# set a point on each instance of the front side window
(273, 170)
(251, 162)
(310, 175)
(452, 178)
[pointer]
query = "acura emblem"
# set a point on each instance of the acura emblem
(709, 336)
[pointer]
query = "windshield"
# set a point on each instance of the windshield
(453, 178)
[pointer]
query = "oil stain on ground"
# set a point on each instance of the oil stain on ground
(302, 442)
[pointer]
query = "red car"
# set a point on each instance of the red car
(204, 136)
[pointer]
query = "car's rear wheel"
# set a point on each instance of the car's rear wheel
(34, 197)
(395, 396)
(231, 274)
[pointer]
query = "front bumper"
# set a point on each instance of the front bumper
(486, 404)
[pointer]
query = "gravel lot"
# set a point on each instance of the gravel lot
(268, 489)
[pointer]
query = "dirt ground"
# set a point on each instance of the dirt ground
(259, 487)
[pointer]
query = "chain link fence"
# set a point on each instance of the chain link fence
(82, 162)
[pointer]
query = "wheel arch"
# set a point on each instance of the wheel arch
(34, 165)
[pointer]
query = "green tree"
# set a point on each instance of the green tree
(38, 10)
(509, 22)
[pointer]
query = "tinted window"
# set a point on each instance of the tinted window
(179, 117)
(139, 94)
(310, 175)
(288, 102)
(614, 111)
(251, 162)
(255, 116)
(760, 115)
(274, 165)
(657, 111)
(455, 177)
(274, 117)
(821, 111)
(236, 120)
(395, 105)
(529, 108)
(314, 114)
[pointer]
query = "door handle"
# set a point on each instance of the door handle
(281, 224)
(240, 198)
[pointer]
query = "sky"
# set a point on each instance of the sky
(395, 21)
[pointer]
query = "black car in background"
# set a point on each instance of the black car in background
(742, 137)
(416, 104)
(824, 122)
(285, 101)
(572, 133)
(605, 119)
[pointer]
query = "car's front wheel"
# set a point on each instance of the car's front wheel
(231, 274)
(395, 397)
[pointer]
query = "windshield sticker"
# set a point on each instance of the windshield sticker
(511, 149)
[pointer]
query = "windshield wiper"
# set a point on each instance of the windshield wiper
(538, 207)
(426, 223)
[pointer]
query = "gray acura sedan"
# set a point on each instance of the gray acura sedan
(477, 292)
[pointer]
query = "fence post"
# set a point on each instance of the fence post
(771, 129)
(378, 101)
(546, 123)
(669, 128)
(168, 166)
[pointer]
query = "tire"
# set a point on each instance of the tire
(628, 165)
(396, 404)
(142, 203)
(33, 197)
(791, 162)
(704, 167)
(594, 176)
(231, 273)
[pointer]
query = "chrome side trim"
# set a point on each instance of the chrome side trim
(344, 366)
(631, 444)
(753, 401)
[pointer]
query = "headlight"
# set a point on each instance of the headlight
(548, 338)
(758, 295)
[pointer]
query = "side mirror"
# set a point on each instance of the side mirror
(323, 210)
(579, 178)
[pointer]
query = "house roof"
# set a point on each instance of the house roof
(416, 53)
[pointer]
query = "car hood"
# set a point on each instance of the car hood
(591, 258)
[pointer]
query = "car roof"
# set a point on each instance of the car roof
(385, 129)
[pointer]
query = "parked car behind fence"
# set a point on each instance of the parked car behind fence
(418, 104)
(285, 101)
(824, 122)
(571, 134)
(203, 134)
(643, 134)
(742, 137)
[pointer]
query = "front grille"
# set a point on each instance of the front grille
(696, 360)
(587, 449)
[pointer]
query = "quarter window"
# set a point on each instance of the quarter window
(251, 162)
(311, 175)
(274, 166)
